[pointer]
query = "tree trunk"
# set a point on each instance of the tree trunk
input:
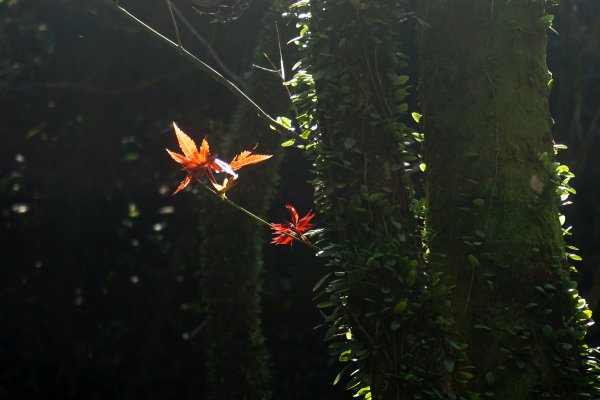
(382, 305)
(491, 186)
(232, 260)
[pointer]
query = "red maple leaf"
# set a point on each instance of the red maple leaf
(285, 232)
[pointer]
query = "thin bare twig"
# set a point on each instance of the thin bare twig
(207, 45)
(204, 67)
(280, 53)
(281, 74)
(174, 22)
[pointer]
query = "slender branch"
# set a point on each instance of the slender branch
(280, 53)
(281, 74)
(206, 45)
(301, 238)
(204, 67)
(174, 21)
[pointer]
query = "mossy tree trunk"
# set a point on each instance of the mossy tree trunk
(232, 245)
(491, 186)
(382, 306)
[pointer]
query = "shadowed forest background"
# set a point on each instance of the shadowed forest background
(99, 273)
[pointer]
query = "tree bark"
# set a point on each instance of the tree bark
(492, 216)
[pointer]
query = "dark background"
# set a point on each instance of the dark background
(99, 294)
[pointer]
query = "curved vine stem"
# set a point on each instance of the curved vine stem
(202, 66)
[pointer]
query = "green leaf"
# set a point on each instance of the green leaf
(346, 356)
(465, 375)
(401, 80)
(394, 325)
(325, 304)
(285, 122)
(410, 278)
(478, 202)
(288, 143)
(305, 134)
(546, 20)
(416, 116)
(337, 378)
(400, 94)
(473, 260)
(363, 391)
(400, 307)
(321, 281)
(402, 108)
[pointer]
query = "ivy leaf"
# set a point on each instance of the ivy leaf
(401, 80)
(321, 281)
(286, 122)
(401, 307)
(546, 20)
(473, 260)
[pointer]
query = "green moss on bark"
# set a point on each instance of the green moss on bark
(382, 306)
(493, 207)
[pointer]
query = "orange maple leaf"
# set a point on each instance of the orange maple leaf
(199, 163)
(196, 162)
(247, 158)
